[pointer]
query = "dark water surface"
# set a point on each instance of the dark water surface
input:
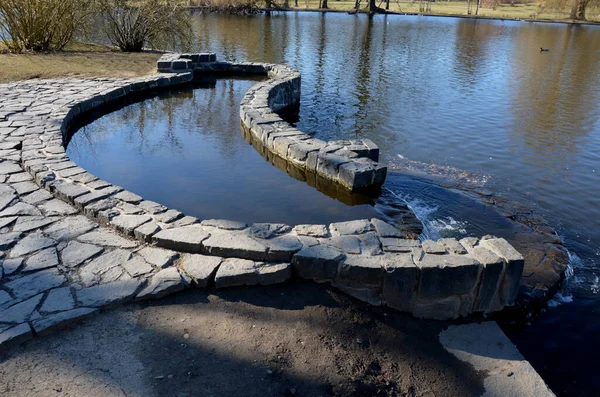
(476, 98)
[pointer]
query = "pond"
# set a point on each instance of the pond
(477, 99)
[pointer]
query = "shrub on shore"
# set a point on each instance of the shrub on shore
(230, 6)
(41, 25)
(161, 24)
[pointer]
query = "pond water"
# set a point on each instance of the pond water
(476, 98)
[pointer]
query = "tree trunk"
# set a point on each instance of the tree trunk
(578, 9)
(324, 5)
(296, 3)
(268, 10)
(477, 9)
(387, 4)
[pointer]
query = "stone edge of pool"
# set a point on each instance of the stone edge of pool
(59, 266)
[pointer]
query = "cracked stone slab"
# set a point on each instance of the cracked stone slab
(158, 257)
(351, 227)
(446, 275)
(70, 227)
(108, 294)
(128, 223)
(200, 268)
(20, 312)
(186, 238)
(163, 283)
(57, 207)
(31, 243)
(136, 266)
(319, 262)
(311, 230)
(235, 244)
(75, 253)
(21, 209)
(384, 229)
(235, 272)
(27, 286)
(224, 224)
(28, 223)
(42, 260)
(8, 239)
(268, 230)
(58, 300)
(93, 272)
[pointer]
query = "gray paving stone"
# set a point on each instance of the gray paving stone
(488, 296)
(6, 199)
(20, 312)
(67, 191)
(8, 239)
(92, 272)
(446, 275)
(282, 248)
(70, 227)
(31, 243)
(452, 246)
(159, 257)
(29, 285)
(90, 197)
(348, 244)
(53, 322)
(319, 262)
(108, 294)
(92, 210)
(4, 222)
(200, 268)
(151, 207)
(20, 209)
(224, 224)
(128, 223)
(58, 300)
(44, 259)
(57, 207)
(107, 238)
(236, 272)
(75, 253)
(129, 209)
(399, 245)
(26, 187)
(146, 231)
(28, 223)
(384, 229)
(400, 281)
(186, 238)
(352, 227)
(15, 335)
(370, 244)
(311, 230)
(128, 197)
(11, 265)
(167, 216)
(163, 283)
(8, 167)
(5, 298)
(19, 177)
(37, 197)
(432, 247)
(136, 266)
(235, 244)
(513, 269)
(361, 270)
(268, 230)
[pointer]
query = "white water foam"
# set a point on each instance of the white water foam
(432, 227)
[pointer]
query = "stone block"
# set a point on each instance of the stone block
(348, 244)
(432, 247)
(400, 281)
(360, 270)
(237, 272)
(224, 224)
(352, 227)
(158, 257)
(20, 312)
(58, 300)
(384, 229)
(33, 242)
(107, 238)
(146, 231)
(282, 248)
(235, 244)
(311, 230)
(200, 268)
(136, 266)
(446, 275)
(488, 295)
(163, 283)
(44, 259)
(268, 230)
(186, 238)
(328, 165)
(452, 246)
(354, 175)
(75, 253)
(513, 269)
(318, 262)
(108, 294)
(370, 244)
(391, 244)
(126, 224)
(69, 227)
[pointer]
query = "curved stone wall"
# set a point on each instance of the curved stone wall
(61, 260)
(353, 164)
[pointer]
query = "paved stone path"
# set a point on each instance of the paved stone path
(71, 243)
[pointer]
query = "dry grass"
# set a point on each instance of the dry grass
(77, 60)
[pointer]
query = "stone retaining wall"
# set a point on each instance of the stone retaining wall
(353, 164)
(71, 243)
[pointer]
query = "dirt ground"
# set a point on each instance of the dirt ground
(298, 339)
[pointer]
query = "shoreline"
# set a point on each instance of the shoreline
(350, 12)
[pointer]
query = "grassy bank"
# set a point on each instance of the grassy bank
(77, 60)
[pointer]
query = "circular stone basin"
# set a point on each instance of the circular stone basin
(184, 149)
